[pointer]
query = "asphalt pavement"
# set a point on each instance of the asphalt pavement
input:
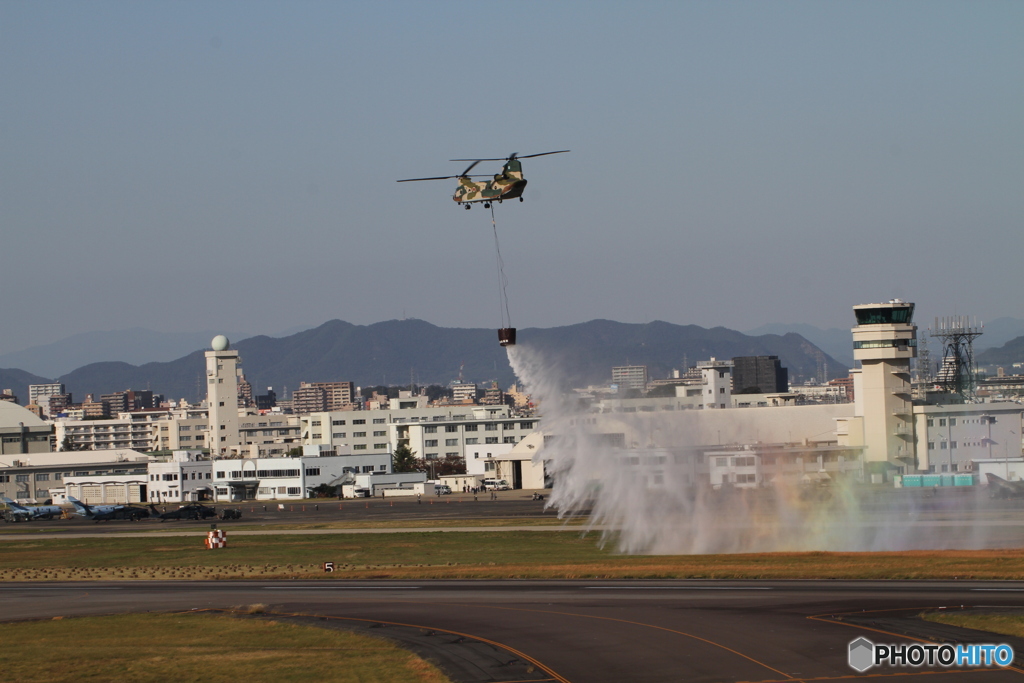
(588, 631)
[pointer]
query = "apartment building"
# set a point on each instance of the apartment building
(431, 432)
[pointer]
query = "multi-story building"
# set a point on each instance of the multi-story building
(463, 392)
(186, 476)
(269, 435)
(630, 377)
(308, 399)
(431, 432)
(92, 476)
(39, 394)
(759, 375)
(139, 431)
(288, 477)
(21, 432)
(716, 387)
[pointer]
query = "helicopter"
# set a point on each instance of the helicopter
(508, 184)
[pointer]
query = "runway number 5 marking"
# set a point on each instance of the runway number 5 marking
(328, 566)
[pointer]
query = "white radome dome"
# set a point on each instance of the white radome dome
(220, 343)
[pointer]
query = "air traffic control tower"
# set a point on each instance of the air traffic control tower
(222, 396)
(884, 341)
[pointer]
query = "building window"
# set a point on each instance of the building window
(952, 422)
(338, 435)
(358, 422)
(384, 433)
(490, 428)
(359, 447)
(430, 430)
(942, 422)
(491, 439)
(526, 425)
(293, 490)
(931, 422)
(430, 443)
(21, 478)
(470, 428)
(472, 441)
(378, 420)
(451, 428)
(42, 477)
(312, 471)
(357, 435)
(952, 445)
(338, 423)
(942, 446)
(931, 445)
(315, 423)
(509, 439)
(380, 446)
(451, 442)
(508, 425)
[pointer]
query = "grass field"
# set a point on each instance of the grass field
(482, 555)
(1005, 624)
(199, 647)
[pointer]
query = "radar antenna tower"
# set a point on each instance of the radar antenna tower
(957, 374)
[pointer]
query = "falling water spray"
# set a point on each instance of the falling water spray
(639, 479)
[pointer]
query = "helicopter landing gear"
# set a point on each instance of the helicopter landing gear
(467, 207)
(487, 205)
(520, 199)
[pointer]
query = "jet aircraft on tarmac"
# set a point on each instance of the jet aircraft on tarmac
(27, 513)
(105, 513)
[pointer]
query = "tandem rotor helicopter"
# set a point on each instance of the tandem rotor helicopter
(508, 184)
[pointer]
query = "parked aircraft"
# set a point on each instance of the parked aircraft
(1000, 488)
(105, 513)
(27, 513)
(190, 511)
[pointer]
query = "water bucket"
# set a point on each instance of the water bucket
(507, 336)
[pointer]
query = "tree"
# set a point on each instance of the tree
(295, 452)
(404, 460)
(323, 491)
(449, 465)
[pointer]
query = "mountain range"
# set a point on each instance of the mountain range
(398, 352)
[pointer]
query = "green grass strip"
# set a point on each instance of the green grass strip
(483, 555)
(199, 647)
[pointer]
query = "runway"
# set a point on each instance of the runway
(589, 631)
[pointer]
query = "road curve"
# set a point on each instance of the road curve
(583, 631)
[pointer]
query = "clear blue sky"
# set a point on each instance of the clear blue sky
(231, 165)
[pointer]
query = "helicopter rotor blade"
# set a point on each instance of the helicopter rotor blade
(502, 159)
(542, 154)
(440, 177)
(469, 168)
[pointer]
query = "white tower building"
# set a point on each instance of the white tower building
(716, 384)
(884, 341)
(222, 396)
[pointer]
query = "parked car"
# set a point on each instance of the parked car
(496, 485)
(442, 489)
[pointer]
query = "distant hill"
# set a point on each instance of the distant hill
(1007, 354)
(136, 345)
(18, 381)
(400, 351)
(834, 341)
(1000, 331)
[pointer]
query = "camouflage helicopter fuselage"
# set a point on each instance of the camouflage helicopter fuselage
(508, 184)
